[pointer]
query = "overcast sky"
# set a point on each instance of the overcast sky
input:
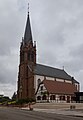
(57, 27)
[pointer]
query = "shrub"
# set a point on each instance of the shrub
(25, 101)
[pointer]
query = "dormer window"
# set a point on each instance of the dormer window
(41, 88)
(39, 81)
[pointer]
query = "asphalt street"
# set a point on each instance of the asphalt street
(18, 114)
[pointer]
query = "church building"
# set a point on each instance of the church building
(44, 83)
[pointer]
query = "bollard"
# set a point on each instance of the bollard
(72, 107)
(30, 107)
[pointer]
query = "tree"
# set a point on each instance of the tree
(4, 99)
(14, 96)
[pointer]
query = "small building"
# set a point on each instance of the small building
(54, 85)
(79, 97)
(55, 91)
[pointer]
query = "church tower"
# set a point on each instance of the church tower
(27, 63)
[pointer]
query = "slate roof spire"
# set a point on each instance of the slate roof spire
(28, 33)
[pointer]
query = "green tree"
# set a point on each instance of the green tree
(14, 96)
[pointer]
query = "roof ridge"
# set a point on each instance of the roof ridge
(41, 69)
(50, 67)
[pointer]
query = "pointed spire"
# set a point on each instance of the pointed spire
(28, 34)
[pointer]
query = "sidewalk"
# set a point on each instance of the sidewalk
(60, 108)
(78, 113)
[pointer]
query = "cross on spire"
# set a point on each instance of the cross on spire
(28, 8)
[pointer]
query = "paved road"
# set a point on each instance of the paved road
(18, 114)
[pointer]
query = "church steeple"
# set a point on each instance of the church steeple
(28, 33)
(27, 63)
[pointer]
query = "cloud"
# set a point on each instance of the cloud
(9, 35)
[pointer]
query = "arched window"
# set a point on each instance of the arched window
(44, 97)
(39, 81)
(62, 97)
(22, 57)
(32, 56)
(29, 55)
(25, 56)
(38, 97)
(52, 97)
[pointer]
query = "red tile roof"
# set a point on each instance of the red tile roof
(59, 87)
